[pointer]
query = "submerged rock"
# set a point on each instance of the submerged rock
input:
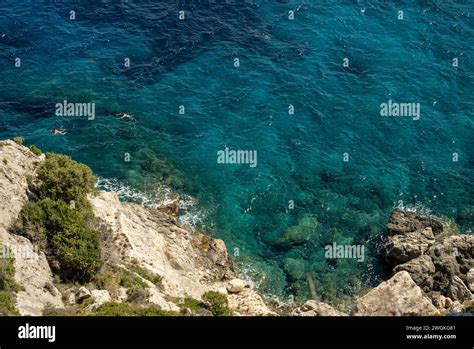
(298, 234)
(294, 269)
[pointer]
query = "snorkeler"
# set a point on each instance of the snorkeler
(57, 131)
(124, 116)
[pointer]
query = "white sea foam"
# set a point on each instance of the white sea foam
(418, 208)
(422, 210)
(190, 214)
(255, 278)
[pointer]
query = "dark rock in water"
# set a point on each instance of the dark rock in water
(294, 269)
(170, 206)
(436, 257)
(298, 234)
(405, 222)
(466, 216)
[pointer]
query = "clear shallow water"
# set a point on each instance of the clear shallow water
(300, 156)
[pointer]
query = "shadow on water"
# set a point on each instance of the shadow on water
(171, 40)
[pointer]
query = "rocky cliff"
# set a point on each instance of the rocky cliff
(141, 240)
(149, 260)
(33, 273)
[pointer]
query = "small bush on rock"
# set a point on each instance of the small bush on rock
(127, 309)
(8, 286)
(217, 302)
(64, 179)
(153, 278)
(77, 253)
(35, 150)
(59, 222)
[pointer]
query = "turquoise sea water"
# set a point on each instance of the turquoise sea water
(393, 161)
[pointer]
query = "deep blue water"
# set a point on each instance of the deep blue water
(392, 160)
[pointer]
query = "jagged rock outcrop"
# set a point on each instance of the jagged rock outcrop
(437, 259)
(457, 290)
(33, 273)
(82, 293)
(316, 308)
(189, 263)
(404, 247)
(398, 296)
(99, 297)
(470, 279)
(421, 269)
(236, 285)
(249, 302)
(186, 261)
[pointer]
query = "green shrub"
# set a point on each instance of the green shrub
(68, 311)
(7, 271)
(7, 304)
(136, 288)
(35, 150)
(128, 279)
(195, 306)
(127, 309)
(64, 179)
(31, 224)
(217, 303)
(29, 180)
(59, 222)
(469, 307)
(106, 279)
(77, 253)
(137, 295)
(153, 278)
(8, 286)
(72, 248)
(62, 217)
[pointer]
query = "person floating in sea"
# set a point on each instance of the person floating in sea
(124, 116)
(57, 131)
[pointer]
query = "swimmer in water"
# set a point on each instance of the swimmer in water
(124, 116)
(57, 131)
